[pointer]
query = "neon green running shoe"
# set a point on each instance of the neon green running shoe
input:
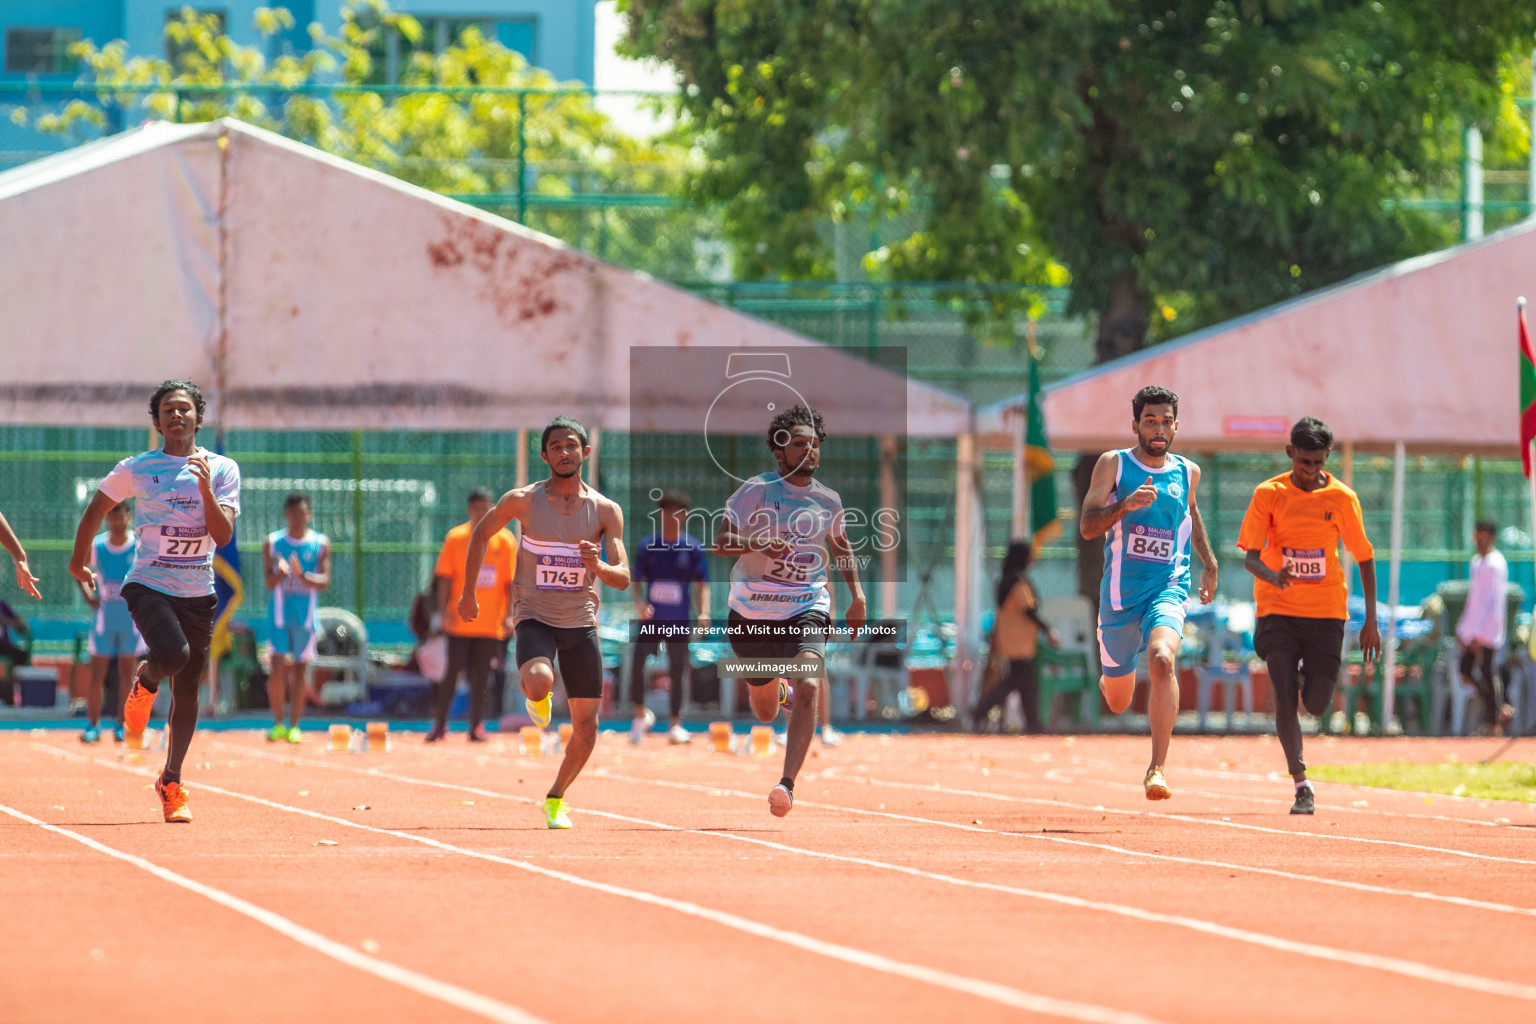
(294, 735)
(277, 734)
(554, 813)
(540, 710)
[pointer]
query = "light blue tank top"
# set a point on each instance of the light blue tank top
(1147, 552)
(293, 603)
(112, 565)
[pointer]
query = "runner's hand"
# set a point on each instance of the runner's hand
(774, 547)
(198, 464)
(1207, 584)
(589, 553)
(26, 581)
(81, 572)
(856, 613)
(1283, 578)
(1141, 497)
(1370, 641)
(469, 608)
(647, 613)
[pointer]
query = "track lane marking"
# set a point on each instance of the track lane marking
(442, 991)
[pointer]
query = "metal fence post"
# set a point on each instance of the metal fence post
(357, 522)
(522, 157)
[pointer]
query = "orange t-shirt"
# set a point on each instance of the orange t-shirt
(490, 589)
(1302, 529)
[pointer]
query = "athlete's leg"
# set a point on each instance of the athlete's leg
(1024, 680)
(482, 650)
(277, 686)
(125, 667)
(677, 678)
(93, 684)
(763, 695)
(1163, 697)
(1119, 649)
(298, 690)
(155, 615)
(458, 661)
(195, 618)
(581, 669)
(1275, 640)
(639, 653)
(802, 720)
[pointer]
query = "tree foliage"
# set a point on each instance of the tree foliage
(1187, 160)
(467, 141)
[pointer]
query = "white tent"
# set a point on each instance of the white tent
(307, 292)
(1420, 354)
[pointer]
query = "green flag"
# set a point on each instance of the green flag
(1041, 464)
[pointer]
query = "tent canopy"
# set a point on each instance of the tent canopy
(307, 292)
(1422, 352)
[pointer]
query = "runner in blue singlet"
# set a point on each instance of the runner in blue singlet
(1142, 500)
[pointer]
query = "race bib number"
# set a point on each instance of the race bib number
(186, 545)
(487, 578)
(1150, 544)
(666, 592)
(1306, 563)
(796, 569)
(560, 572)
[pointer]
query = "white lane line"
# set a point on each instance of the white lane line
(603, 772)
(1394, 965)
(1459, 901)
(836, 776)
(442, 991)
(1279, 778)
(998, 993)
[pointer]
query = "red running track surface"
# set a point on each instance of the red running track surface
(923, 878)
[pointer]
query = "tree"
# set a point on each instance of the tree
(463, 141)
(1187, 160)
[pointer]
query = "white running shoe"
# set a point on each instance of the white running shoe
(830, 737)
(641, 725)
(677, 734)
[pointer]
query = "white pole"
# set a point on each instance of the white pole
(1020, 529)
(1530, 172)
(522, 450)
(888, 499)
(1474, 171)
(1389, 642)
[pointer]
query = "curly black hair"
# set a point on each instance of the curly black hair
(167, 386)
(796, 415)
(1153, 395)
(563, 423)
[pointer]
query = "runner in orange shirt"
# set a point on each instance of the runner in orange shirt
(477, 647)
(1290, 537)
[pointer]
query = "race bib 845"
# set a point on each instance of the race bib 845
(1149, 544)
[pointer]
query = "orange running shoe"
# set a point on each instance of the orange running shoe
(173, 800)
(137, 707)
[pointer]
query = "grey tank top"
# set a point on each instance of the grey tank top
(552, 585)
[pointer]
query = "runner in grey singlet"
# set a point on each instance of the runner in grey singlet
(551, 583)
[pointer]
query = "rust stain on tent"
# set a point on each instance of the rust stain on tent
(518, 289)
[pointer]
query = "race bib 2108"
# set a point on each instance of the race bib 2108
(1306, 563)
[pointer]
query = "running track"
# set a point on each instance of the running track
(918, 879)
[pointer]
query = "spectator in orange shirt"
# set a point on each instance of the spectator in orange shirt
(473, 647)
(1290, 539)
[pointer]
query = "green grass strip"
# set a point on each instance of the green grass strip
(1502, 780)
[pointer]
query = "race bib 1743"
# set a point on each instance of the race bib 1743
(559, 572)
(1149, 544)
(1306, 563)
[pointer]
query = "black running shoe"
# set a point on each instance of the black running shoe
(1304, 801)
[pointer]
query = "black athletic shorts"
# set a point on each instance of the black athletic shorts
(1292, 638)
(581, 659)
(786, 638)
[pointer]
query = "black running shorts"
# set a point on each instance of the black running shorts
(786, 638)
(580, 658)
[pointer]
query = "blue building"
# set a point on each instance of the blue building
(556, 35)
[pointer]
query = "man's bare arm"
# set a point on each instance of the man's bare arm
(1099, 513)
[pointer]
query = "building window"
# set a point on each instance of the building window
(40, 50)
(176, 49)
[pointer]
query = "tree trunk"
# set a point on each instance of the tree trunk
(1122, 330)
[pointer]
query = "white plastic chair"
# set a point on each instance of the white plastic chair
(1233, 678)
(339, 627)
(1071, 618)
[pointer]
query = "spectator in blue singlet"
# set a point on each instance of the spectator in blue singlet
(296, 563)
(669, 562)
(113, 634)
(1142, 501)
